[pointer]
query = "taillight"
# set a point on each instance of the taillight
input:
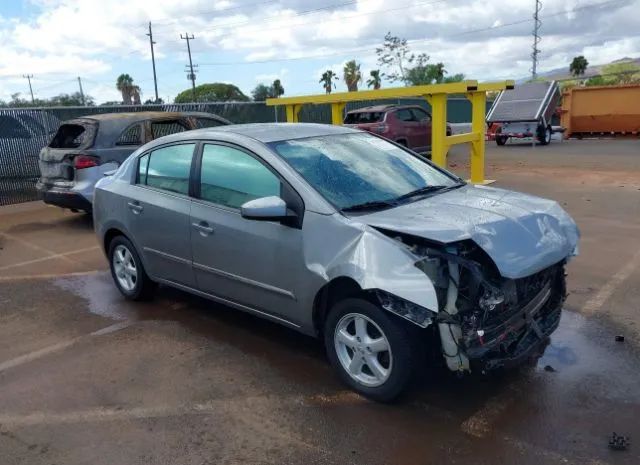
(380, 128)
(81, 162)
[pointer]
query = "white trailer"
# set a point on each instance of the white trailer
(525, 112)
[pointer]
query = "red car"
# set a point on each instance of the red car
(409, 125)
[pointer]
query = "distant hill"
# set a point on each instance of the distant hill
(592, 70)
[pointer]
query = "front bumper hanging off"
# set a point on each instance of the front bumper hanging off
(524, 334)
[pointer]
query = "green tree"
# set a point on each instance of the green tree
(130, 91)
(459, 77)
(621, 73)
(374, 81)
(153, 101)
(276, 89)
(395, 55)
(261, 92)
(328, 81)
(352, 75)
(578, 66)
(70, 100)
(214, 92)
(597, 81)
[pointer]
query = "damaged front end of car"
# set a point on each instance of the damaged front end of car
(485, 321)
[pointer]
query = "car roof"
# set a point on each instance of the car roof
(383, 108)
(271, 132)
(143, 115)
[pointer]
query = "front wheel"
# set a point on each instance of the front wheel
(371, 350)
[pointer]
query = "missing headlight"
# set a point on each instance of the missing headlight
(402, 307)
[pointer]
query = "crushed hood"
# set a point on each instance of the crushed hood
(521, 233)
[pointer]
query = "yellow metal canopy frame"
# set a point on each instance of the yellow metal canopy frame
(436, 95)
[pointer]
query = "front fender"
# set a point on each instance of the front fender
(373, 260)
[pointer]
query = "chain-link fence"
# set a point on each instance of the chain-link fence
(23, 132)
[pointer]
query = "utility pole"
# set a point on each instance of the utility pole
(153, 61)
(29, 76)
(536, 40)
(81, 92)
(191, 76)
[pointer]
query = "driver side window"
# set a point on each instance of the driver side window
(231, 177)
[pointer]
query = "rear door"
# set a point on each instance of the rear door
(159, 211)
(408, 128)
(423, 128)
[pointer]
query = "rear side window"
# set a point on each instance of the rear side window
(71, 136)
(167, 168)
(165, 128)
(405, 115)
(364, 117)
(231, 177)
(207, 123)
(130, 136)
(420, 115)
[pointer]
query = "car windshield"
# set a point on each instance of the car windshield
(352, 170)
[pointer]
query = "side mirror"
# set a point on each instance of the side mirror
(266, 209)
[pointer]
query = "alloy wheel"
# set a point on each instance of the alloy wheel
(363, 349)
(125, 268)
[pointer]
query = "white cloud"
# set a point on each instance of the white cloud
(482, 39)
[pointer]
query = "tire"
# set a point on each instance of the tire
(544, 135)
(127, 270)
(357, 328)
(501, 140)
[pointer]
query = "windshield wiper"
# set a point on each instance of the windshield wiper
(373, 205)
(427, 190)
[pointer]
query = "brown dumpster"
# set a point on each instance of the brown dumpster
(602, 109)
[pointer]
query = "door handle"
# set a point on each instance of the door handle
(135, 207)
(203, 227)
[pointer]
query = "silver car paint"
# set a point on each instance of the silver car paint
(277, 271)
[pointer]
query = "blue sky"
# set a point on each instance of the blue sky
(246, 42)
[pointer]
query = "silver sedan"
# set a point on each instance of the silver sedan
(342, 235)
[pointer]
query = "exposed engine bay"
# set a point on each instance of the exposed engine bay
(485, 321)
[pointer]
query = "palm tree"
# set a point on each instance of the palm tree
(578, 66)
(327, 80)
(375, 81)
(352, 75)
(277, 88)
(130, 92)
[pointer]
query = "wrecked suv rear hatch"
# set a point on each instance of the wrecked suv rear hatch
(72, 140)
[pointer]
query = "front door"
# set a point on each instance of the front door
(253, 263)
(159, 212)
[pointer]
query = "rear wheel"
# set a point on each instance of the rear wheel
(127, 270)
(544, 135)
(370, 349)
(501, 140)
